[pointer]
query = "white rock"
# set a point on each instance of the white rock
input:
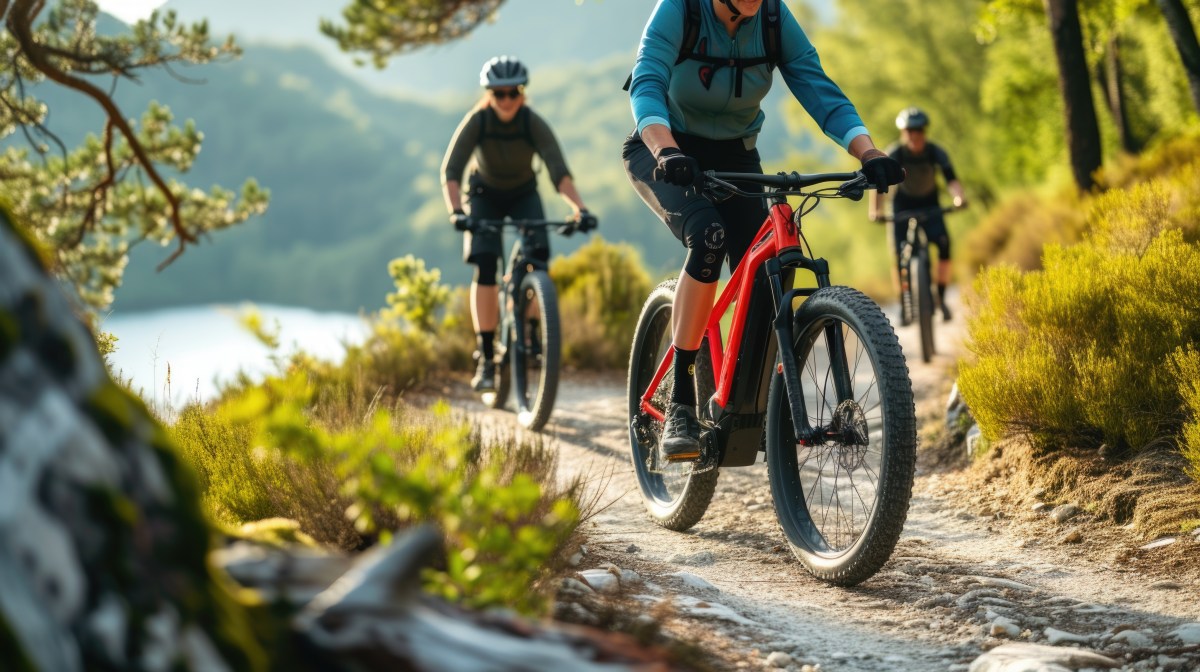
(694, 581)
(997, 582)
(1133, 638)
(1056, 636)
(712, 610)
(601, 580)
(779, 659)
(1160, 543)
(1004, 627)
(1189, 634)
(575, 559)
(575, 587)
(1023, 657)
(1062, 514)
(630, 578)
(700, 559)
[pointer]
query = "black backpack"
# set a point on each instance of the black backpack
(691, 34)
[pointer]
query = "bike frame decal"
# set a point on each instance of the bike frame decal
(777, 234)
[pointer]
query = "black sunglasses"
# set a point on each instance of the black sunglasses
(501, 94)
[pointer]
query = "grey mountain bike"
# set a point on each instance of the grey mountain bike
(529, 346)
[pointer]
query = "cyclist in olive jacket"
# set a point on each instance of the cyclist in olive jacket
(922, 160)
(701, 111)
(496, 143)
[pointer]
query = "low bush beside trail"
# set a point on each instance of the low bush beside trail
(1097, 347)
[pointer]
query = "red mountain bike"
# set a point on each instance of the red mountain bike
(822, 388)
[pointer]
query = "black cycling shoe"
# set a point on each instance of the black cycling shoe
(681, 436)
(485, 376)
(946, 316)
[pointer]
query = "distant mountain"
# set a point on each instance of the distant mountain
(540, 32)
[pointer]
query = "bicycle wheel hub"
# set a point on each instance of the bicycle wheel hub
(849, 429)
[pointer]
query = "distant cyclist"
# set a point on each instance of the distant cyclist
(496, 143)
(919, 191)
(702, 70)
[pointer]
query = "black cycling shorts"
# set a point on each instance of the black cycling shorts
(486, 203)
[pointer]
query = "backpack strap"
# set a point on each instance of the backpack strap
(691, 30)
(772, 31)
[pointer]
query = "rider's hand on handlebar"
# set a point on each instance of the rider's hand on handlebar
(675, 167)
(460, 220)
(586, 221)
(960, 202)
(881, 170)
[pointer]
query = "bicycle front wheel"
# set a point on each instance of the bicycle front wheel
(535, 350)
(842, 498)
(676, 497)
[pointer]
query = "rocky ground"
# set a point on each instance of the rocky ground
(976, 580)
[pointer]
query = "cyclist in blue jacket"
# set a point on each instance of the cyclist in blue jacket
(700, 109)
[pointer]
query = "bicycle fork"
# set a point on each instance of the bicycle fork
(783, 325)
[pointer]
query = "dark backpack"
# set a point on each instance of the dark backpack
(691, 34)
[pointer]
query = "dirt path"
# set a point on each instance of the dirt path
(961, 581)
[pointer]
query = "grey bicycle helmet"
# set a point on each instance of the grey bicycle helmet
(910, 118)
(503, 71)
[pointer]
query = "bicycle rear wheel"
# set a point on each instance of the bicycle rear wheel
(675, 496)
(535, 349)
(842, 499)
(924, 302)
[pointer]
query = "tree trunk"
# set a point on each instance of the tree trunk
(1184, 35)
(1112, 79)
(1083, 132)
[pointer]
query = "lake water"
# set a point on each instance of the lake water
(205, 345)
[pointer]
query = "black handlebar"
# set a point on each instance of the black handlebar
(490, 225)
(920, 214)
(785, 181)
(852, 186)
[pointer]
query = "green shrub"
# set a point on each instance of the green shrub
(1187, 363)
(601, 288)
(261, 455)
(1015, 231)
(1084, 350)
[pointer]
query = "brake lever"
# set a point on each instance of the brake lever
(854, 189)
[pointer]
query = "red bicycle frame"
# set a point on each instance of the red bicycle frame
(778, 234)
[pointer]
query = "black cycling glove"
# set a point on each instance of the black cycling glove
(881, 170)
(675, 167)
(587, 221)
(460, 221)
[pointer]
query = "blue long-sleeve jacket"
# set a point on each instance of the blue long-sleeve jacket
(678, 97)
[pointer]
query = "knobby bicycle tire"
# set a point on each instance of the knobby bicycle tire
(535, 405)
(851, 556)
(925, 305)
(676, 498)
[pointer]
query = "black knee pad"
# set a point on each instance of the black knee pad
(706, 250)
(485, 271)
